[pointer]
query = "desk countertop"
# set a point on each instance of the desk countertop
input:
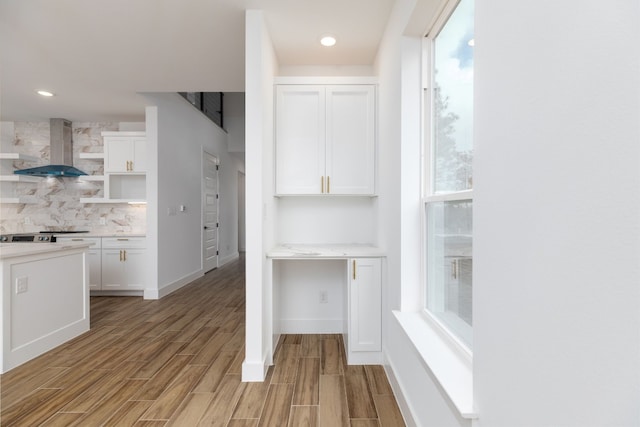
(324, 251)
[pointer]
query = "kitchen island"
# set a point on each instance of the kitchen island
(44, 299)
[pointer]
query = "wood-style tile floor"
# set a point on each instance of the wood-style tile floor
(177, 362)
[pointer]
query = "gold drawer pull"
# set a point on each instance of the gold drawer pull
(354, 269)
(328, 184)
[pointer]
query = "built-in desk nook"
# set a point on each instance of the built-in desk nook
(329, 289)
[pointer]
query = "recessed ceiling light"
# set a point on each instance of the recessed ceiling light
(327, 40)
(44, 93)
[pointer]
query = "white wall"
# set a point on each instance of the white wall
(261, 209)
(556, 216)
(557, 213)
(234, 120)
(182, 134)
(242, 221)
(299, 285)
(419, 395)
(327, 220)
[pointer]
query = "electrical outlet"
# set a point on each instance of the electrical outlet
(22, 285)
(103, 220)
(27, 220)
(324, 297)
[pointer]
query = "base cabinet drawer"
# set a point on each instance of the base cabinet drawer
(123, 242)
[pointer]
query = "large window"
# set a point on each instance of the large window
(448, 200)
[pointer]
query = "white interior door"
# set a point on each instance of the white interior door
(210, 223)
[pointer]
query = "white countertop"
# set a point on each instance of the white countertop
(81, 235)
(12, 250)
(327, 251)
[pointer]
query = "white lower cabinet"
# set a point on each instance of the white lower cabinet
(364, 311)
(123, 261)
(115, 263)
(94, 257)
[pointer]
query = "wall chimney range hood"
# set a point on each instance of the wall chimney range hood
(61, 153)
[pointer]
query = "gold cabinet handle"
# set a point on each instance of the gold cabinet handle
(354, 269)
(322, 184)
(131, 165)
(120, 254)
(122, 240)
(125, 255)
(328, 184)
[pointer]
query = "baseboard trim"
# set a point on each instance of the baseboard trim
(228, 258)
(172, 287)
(405, 409)
(254, 372)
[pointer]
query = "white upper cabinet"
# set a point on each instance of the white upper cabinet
(325, 139)
(125, 152)
(300, 139)
(350, 149)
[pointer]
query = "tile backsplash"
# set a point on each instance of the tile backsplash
(56, 201)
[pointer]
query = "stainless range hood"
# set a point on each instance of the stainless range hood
(61, 153)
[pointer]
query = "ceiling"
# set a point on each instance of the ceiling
(95, 56)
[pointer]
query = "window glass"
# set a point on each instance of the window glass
(453, 102)
(449, 193)
(449, 260)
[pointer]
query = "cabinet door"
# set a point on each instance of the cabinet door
(300, 139)
(134, 261)
(139, 158)
(350, 158)
(365, 306)
(113, 270)
(118, 152)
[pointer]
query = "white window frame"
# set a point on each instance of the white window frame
(428, 194)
